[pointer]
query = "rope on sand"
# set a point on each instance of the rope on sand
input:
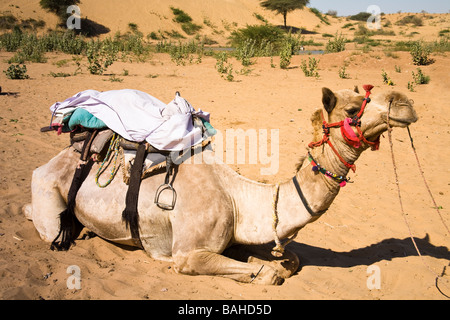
(437, 276)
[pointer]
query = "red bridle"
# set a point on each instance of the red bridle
(347, 133)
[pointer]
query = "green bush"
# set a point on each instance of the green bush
(410, 19)
(100, 56)
(185, 20)
(260, 34)
(190, 28)
(420, 53)
(15, 72)
(419, 77)
(310, 69)
(180, 15)
(337, 44)
(386, 79)
(342, 73)
(362, 16)
(285, 55)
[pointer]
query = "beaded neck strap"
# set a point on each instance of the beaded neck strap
(316, 167)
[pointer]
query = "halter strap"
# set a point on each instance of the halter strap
(349, 136)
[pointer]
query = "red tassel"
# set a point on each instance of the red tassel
(367, 87)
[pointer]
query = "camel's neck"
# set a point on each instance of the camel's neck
(255, 225)
(320, 190)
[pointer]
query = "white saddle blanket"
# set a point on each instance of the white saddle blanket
(138, 116)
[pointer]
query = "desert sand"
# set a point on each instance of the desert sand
(363, 227)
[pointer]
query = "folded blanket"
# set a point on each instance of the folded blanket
(85, 119)
(137, 116)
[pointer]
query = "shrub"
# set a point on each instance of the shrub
(15, 72)
(420, 78)
(260, 34)
(100, 56)
(319, 15)
(386, 79)
(310, 69)
(190, 28)
(420, 53)
(58, 7)
(185, 20)
(362, 16)
(411, 19)
(7, 21)
(343, 74)
(223, 67)
(337, 44)
(31, 49)
(285, 55)
(180, 15)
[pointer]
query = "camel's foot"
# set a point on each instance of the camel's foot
(285, 265)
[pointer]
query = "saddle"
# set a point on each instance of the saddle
(137, 160)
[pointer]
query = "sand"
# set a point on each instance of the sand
(363, 228)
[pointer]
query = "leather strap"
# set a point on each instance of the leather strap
(305, 203)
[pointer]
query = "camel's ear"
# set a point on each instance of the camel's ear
(356, 89)
(328, 99)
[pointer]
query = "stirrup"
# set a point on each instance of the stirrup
(161, 188)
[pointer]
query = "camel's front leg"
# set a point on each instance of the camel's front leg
(203, 262)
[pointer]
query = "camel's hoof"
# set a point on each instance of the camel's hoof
(267, 276)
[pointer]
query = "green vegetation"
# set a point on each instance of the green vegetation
(419, 77)
(180, 52)
(283, 7)
(58, 7)
(310, 69)
(362, 16)
(342, 73)
(410, 19)
(16, 72)
(337, 44)
(386, 79)
(223, 67)
(420, 53)
(285, 55)
(185, 20)
(319, 15)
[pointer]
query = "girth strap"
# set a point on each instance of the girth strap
(131, 215)
(67, 218)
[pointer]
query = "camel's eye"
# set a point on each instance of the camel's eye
(352, 111)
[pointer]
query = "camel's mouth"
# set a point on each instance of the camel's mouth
(401, 122)
(401, 115)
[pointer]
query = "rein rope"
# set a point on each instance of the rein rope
(278, 250)
(437, 276)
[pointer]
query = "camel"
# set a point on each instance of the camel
(223, 224)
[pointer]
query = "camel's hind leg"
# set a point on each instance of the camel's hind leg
(46, 204)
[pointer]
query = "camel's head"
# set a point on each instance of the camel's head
(344, 104)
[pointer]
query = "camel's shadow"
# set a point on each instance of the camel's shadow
(310, 255)
(387, 249)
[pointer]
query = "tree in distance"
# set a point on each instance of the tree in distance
(284, 6)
